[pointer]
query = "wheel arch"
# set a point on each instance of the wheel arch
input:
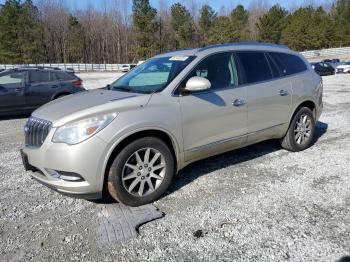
(57, 95)
(306, 103)
(165, 136)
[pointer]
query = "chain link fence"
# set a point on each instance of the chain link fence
(326, 52)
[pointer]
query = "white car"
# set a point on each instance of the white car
(140, 62)
(125, 68)
(344, 68)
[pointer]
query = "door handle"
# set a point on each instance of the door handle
(54, 86)
(17, 90)
(238, 102)
(283, 93)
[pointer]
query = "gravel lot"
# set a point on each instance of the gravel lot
(260, 203)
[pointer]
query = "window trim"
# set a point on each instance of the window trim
(24, 78)
(175, 91)
(35, 83)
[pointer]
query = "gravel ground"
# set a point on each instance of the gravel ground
(260, 203)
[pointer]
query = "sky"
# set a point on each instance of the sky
(216, 4)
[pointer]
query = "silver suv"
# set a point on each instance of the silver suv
(175, 108)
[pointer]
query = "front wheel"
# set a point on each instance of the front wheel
(141, 172)
(301, 131)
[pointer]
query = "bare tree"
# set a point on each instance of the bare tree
(256, 9)
(54, 17)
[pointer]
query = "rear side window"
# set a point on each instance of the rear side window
(62, 76)
(274, 68)
(289, 64)
(37, 76)
(255, 66)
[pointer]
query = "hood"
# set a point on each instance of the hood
(89, 103)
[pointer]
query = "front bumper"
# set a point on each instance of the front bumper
(85, 159)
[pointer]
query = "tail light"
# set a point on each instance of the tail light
(78, 82)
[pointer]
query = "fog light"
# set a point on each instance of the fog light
(66, 176)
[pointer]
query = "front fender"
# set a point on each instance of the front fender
(129, 131)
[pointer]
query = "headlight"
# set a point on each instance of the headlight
(76, 132)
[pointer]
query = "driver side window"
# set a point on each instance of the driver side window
(15, 79)
(220, 69)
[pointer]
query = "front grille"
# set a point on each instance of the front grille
(36, 131)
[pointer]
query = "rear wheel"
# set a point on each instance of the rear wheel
(301, 131)
(141, 172)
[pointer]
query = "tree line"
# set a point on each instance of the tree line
(47, 31)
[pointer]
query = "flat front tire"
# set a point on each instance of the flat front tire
(301, 131)
(141, 172)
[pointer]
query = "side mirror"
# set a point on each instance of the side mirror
(197, 83)
(108, 87)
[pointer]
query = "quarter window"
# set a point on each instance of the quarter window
(288, 64)
(61, 76)
(255, 66)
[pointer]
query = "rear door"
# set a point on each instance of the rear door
(41, 88)
(12, 91)
(268, 95)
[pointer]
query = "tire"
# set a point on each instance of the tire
(130, 169)
(294, 142)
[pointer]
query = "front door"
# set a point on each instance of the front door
(12, 91)
(214, 121)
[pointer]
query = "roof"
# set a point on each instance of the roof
(48, 68)
(195, 51)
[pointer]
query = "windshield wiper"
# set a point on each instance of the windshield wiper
(122, 88)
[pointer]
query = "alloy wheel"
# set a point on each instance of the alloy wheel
(143, 172)
(302, 130)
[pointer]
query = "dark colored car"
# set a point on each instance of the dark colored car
(335, 60)
(323, 69)
(24, 89)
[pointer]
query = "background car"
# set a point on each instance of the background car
(24, 89)
(125, 68)
(323, 69)
(344, 68)
(332, 62)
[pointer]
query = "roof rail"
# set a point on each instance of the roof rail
(175, 50)
(242, 44)
(39, 67)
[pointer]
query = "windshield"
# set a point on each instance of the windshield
(153, 75)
